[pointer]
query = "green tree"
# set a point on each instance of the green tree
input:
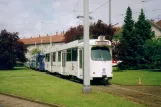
(117, 36)
(143, 28)
(11, 50)
(152, 50)
(132, 44)
(35, 51)
(101, 28)
(143, 33)
(125, 47)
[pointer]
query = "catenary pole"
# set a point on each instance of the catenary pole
(109, 12)
(86, 75)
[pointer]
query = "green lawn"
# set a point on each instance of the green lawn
(131, 77)
(47, 88)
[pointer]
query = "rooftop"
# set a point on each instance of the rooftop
(43, 39)
(155, 24)
(159, 23)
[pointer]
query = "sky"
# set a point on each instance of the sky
(42, 17)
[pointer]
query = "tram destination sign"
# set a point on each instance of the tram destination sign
(102, 43)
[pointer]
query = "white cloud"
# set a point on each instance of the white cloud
(25, 16)
(56, 4)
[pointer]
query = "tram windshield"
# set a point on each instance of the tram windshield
(100, 54)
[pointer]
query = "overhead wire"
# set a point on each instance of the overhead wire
(74, 10)
(99, 7)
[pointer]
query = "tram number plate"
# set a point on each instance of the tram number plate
(104, 73)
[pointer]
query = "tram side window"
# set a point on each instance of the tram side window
(74, 54)
(68, 54)
(59, 56)
(47, 58)
(54, 57)
(81, 58)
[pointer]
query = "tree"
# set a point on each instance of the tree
(142, 34)
(35, 51)
(96, 29)
(74, 33)
(116, 43)
(125, 47)
(132, 45)
(11, 50)
(100, 28)
(117, 36)
(152, 57)
(143, 28)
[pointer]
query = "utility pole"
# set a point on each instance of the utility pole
(109, 12)
(86, 75)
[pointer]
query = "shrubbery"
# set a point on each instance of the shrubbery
(12, 50)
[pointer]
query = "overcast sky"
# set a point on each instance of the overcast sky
(26, 16)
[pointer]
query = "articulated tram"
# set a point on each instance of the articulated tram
(67, 59)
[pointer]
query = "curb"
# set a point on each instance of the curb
(34, 101)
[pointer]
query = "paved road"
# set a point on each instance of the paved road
(8, 101)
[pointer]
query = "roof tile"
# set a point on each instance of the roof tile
(159, 23)
(43, 39)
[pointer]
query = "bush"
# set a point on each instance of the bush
(11, 50)
(152, 51)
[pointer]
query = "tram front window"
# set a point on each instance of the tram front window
(100, 54)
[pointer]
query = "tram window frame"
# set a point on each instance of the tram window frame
(69, 55)
(81, 58)
(59, 56)
(74, 54)
(54, 56)
(47, 58)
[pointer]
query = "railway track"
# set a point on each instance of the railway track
(134, 95)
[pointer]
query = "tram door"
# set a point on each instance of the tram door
(63, 62)
(80, 63)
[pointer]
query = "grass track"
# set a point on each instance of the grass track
(46, 88)
(131, 77)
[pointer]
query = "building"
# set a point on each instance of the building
(156, 28)
(42, 43)
(159, 23)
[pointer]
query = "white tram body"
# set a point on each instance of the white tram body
(67, 59)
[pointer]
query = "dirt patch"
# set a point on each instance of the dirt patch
(146, 95)
(8, 101)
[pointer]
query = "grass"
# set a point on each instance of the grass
(131, 77)
(47, 88)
